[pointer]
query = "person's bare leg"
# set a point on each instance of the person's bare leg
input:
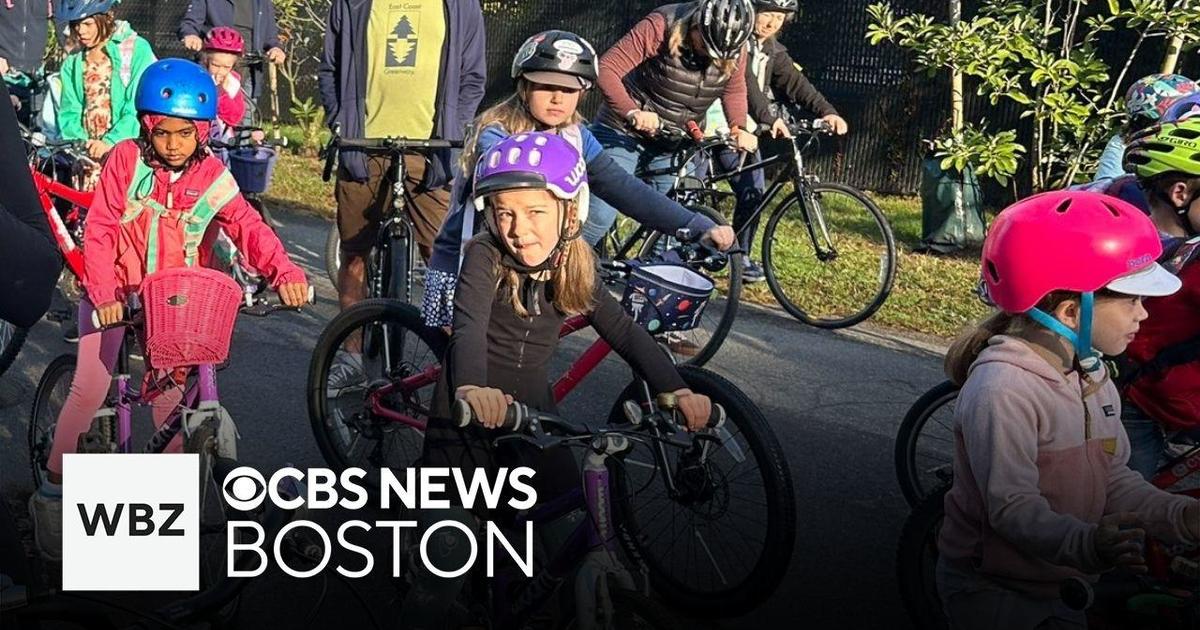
(352, 284)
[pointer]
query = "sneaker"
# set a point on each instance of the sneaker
(752, 272)
(46, 512)
(70, 330)
(345, 373)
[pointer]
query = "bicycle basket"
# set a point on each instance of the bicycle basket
(662, 297)
(252, 168)
(189, 316)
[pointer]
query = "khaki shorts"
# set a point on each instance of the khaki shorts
(361, 206)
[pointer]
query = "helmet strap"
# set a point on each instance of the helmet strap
(1089, 358)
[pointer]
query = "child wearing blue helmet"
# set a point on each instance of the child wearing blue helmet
(160, 203)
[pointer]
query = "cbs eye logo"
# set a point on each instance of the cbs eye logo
(244, 489)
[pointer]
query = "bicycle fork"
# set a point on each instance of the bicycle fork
(600, 568)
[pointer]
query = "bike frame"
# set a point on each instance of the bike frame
(579, 370)
(48, 190)
(203, 390)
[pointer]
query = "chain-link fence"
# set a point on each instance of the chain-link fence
(889, 107)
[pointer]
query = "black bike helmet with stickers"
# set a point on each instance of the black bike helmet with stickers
(724, 25)
(786, 6)
(556, 58)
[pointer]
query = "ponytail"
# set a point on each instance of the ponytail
(970, 343)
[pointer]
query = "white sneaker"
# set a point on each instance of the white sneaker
(345, 373)
(46, 512)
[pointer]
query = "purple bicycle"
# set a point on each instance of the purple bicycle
(605, 594)
(182, 319)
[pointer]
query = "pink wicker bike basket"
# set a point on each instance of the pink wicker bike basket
(190, 313)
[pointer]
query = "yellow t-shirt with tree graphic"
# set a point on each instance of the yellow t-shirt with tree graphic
(404, 58)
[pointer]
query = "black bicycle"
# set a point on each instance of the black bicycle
(393, 257)
(827, 249)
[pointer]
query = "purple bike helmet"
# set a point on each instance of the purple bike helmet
(534, 160)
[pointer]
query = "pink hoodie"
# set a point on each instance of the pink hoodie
(1034, 471)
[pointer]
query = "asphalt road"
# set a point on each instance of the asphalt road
(834, 400)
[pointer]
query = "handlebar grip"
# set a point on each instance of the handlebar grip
(330, 156)
(514, 417)
(96, 320)
(695, 131)
(717, 417)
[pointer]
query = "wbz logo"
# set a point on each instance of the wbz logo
(131, 522)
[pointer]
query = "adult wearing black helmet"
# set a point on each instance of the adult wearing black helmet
(772, 79)
(677, 61)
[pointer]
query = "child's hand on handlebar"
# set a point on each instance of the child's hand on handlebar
(294, 294)
(97, 148)
(1118, 542)
(722, 237)
(110, 314)
(696, 408)
(645, 122)
(745, 141)
(488, 404)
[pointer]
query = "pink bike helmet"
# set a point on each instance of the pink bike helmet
(226, 40)
(1071, 241)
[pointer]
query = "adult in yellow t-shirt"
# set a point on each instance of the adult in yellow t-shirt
(398, 68)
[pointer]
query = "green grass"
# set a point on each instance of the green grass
(932, 295)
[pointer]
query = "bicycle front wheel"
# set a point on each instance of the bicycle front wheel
(829, 256)
(925, 444)
(374, 362)
(714, 525)
(697, 346)
(11, 340)
(48, 401)
(916, 562)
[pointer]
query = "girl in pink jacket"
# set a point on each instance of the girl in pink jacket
(1041, 488)
(150, 190)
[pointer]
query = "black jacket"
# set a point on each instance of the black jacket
(23, 28)
(784, 82)
(29, 258)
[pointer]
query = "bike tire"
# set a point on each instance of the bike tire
(916, 559)
(333, 254)
(214, 521)
(329, 423)
(919, 479)
(883, 281)
(692, 588)
(726, 309)
(634, 611)
(11, 339)
(44, 414)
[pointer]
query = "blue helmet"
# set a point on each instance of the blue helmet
(178, 88)
(72, 10)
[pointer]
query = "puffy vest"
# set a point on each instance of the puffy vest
(678, 89)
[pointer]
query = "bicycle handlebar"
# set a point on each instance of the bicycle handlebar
(383, 145)
(530, 423)
(1079, 594)
(258, 307)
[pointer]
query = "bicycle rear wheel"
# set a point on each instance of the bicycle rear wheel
(916, 562)
(924, 451)
(697, 346)
(377, 344)
(11, 340)
(720, 541)
(829, 256)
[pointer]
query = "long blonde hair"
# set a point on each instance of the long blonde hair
(573, 280)
(971, 342)
(677, 38)
(512, 114)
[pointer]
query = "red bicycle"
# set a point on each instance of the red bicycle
(65, 209)
(712, 526)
